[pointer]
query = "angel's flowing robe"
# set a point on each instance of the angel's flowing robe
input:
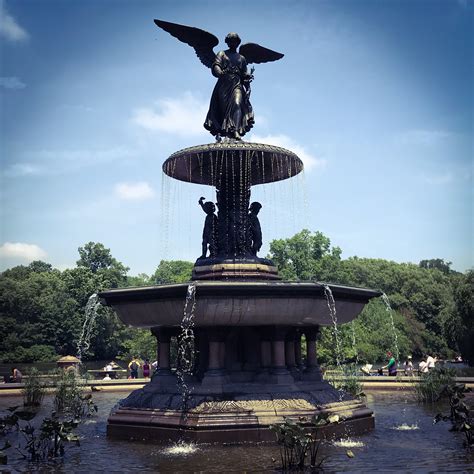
(230, 110)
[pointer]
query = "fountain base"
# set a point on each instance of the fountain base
(233, 415)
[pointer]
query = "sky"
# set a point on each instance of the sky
(376, 98)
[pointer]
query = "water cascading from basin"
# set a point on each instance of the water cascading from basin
(91, 312)
(186, 354)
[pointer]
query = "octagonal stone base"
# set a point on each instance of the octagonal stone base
(234, 417)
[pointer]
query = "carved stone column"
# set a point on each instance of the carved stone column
(313, 371)
(278, 351)
(298, 358)
(216, 373)
(163, 338)
(290, 352)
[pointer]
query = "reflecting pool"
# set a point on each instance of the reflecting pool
(404, 439)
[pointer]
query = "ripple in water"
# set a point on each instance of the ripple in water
(348, 443)
(181, 449)
(405, 427)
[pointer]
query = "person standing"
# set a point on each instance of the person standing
(392, 365)
(146, 369)
(431, 361)
(133, 367)
(409, 366)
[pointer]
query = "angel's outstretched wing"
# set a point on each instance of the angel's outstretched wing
(202, 41)
(254, 53)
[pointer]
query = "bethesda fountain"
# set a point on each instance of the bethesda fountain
(238, 326)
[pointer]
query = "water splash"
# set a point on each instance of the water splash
(335, 330)
(181, 448)
(348, 443)
(84, 342)
(186, 346)
(405, 427)
(392, 323)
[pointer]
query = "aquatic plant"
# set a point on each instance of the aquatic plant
(344, 379)
(33, 390)
(70, 397)
(37, 443)
(431, 386)
(298, 439)
(459, 414)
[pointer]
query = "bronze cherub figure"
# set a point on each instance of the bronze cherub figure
(230, 112)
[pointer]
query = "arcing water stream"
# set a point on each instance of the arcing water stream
(394, 330)
(92, 306)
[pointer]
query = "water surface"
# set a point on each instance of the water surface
(388, 448)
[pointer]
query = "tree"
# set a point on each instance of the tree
(98, 259)
(173, 271)
(305, 256)
(464, 300)
(438, 263)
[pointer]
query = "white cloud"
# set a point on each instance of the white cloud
(183, 116)
(11, 83)
(310, 162)
(134, 191)
(9, 28)
(22, 251)
(423, 137)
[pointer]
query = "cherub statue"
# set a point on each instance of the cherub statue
(255, 231)
(230, 112)
(210, 228)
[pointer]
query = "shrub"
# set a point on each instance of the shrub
(432, 385)
(33, 391)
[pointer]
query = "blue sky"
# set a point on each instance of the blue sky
(376, 97)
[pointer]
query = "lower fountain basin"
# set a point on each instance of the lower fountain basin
(237, 303)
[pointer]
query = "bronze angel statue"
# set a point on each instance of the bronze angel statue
(230, 112)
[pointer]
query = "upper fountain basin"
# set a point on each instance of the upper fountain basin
(254, 163)
(237, 303)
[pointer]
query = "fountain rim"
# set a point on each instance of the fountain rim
(179, 165)
(220, 289)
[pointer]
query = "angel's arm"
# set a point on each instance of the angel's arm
(217, 66)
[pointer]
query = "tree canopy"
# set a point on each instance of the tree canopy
(42, 308)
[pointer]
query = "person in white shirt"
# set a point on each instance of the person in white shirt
(423, 367)
(107, 377)
(431, 361)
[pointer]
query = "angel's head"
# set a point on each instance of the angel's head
(233, 39)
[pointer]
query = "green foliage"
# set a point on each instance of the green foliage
(459, 413)
(173, 271)
(141, 343)
(305, 256)
(346, 380)
(433, 385)
(464, 303)
(33, 390)
(35, 353)
(38, 444)
(426, 315)
(297, 439)
(70, 398)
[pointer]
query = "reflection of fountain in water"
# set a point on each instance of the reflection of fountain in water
(186, 346)
(90, 311)
(392, 323)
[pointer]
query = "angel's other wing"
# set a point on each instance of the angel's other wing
(254, 53)
(202, 41)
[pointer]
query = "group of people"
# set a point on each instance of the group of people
(427, 364)
(135, 364)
